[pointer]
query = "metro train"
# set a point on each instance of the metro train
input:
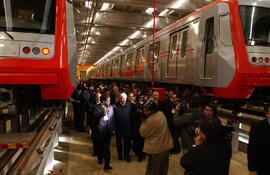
(223, 49)
(37, 51)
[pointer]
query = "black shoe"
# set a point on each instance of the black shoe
(127, 159)
(94, 154)
(120, 158)
(100, 161)
(140, 159)
(107, 167)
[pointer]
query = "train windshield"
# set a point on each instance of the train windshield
(35, 16)
(256, 25)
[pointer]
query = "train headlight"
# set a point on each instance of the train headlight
(36, 50)
(26, 50)
(266, 59)
(45, 51)
(260, 59)
(254, 59)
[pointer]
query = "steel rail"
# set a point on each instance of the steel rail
(24, 165)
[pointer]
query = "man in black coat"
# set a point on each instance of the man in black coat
(212, 153)
(259, 147)
(103, 126)
(123, 127)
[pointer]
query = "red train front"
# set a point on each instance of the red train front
(37, 50)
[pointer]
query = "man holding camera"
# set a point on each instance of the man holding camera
(158, 139)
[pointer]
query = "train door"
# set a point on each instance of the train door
(122, 65)
(139, 64)
(209, 40)
(172, 59)
(182, 70)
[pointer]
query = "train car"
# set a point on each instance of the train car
(223, 49)
(37, 50)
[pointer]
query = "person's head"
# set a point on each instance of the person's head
(105, 100)
(268, 112)
(123, 98)
(170, 94)
(141, 99)
(97, 97)
(150, 107)
(174, 98)
(155, 95)
(194, 102)
(210, 111)
(107, 92)
(97, 90)
(115, 89)
(212, 131)
(130, 96)
(134, 91)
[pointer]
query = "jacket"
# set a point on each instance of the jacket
(208, 159)
(259, 148)
(156, 133)
(102, 127)
(186, 123)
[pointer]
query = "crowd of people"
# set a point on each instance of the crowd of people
(152, 127)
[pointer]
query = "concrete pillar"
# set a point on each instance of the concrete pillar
(15, 123)
(2, 126)
(25, 122)
(235, 138)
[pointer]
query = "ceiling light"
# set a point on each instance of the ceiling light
(149, 11)
(93, 41)
(97, 32)
(88, 4)
(178, 4)
(144, 35)
(105, 6)
(164, 12)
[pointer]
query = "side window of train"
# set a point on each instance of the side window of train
(156, 54)
(129, 60)
(116, 64)
(184, 43)
(122, 65)
(225, 34)
(209, 48)
(139, 56)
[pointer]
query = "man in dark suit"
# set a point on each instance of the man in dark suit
(103, 125)
(123, 127)
(259, 147)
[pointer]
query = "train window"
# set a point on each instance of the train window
(255, 23)
(116, 64)
(129, 60)
(209, 35)
(139, 56)
(156, 54)
(184, 43)
(209, 48)
(28, 16)
(173, 46)
(225, 34)
(122, 65)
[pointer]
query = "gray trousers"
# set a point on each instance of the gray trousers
(158, 164)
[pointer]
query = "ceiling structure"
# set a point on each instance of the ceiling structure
(106, 27)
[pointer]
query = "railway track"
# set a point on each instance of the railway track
(31, 154)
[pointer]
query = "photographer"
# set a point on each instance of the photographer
(158, 139)
(212, 152)
(188, 122)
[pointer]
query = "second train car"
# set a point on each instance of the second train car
(223, 49)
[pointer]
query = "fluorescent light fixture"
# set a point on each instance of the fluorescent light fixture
(144, 35)
(135, 34)
(164, 12)
(149, 11)
(105, 6)
(149, 24)
(97, 32)
(88, 4)
(93, 41)
(178, 4)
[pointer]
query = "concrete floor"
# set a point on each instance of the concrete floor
(73, 156)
